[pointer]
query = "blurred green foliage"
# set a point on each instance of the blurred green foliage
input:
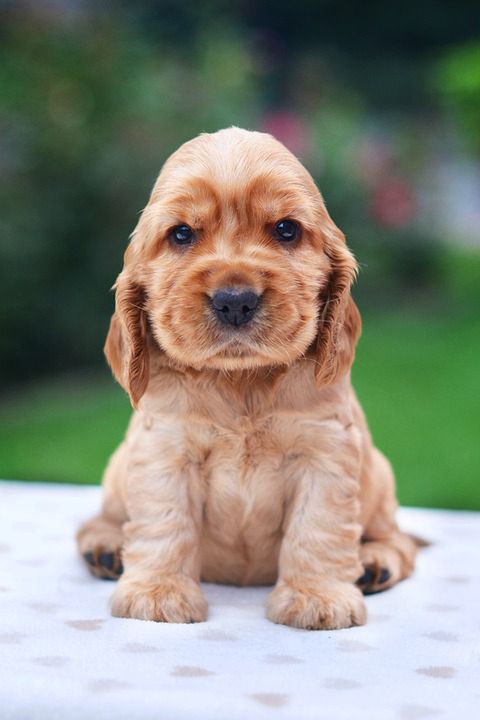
(457, 79)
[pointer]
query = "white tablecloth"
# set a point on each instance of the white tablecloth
(63, 656)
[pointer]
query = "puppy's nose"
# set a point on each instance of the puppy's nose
(235, 307)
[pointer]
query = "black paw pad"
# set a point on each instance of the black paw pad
(372, 579)
(90, 558)
(384, 576)
(105, 565)
(107, 561)
(367, 578)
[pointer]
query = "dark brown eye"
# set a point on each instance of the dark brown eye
(182, 235)
(286, 230)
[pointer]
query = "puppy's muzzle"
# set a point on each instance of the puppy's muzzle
(235, 307)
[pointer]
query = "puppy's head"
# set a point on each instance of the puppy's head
(234, 264)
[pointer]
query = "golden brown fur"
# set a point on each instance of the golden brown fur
(248, 459)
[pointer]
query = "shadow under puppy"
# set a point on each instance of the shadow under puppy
(248, 459)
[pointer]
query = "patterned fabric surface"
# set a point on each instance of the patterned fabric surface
(63, 656)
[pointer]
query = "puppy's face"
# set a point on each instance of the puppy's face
(234, 255)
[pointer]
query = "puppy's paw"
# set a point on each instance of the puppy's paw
(323, 606)
(100, 544)
(385, 562)
(172, 598)
(104, 563)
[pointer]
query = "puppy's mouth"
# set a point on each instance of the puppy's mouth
(249, 345)
(235, 318)
(249, 330)
(240, 341)
(241, 333)
(240, 344)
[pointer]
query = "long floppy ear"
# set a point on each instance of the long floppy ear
(339, 323)
(126, 344)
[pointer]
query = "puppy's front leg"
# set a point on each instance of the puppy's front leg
(319, 556)
(161, 555)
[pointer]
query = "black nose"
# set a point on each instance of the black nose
(235, 307)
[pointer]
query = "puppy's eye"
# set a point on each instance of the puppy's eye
(182, 235)
(286, 230)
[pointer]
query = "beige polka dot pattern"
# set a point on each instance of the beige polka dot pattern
(11, 638)
(63, 655)
(282, 660)
(191, 671)
(354, 646)
(442, 636)
(86, 625)
(341, 684)
(51, 661)
(138, 648)
(217, 636)
(417, 712)
(44, 607)
(273, 700)
(106, 685)
(441, 671)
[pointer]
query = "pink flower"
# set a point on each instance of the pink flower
(393, 203)
(289, 128)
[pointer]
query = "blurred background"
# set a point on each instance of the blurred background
(382, 104)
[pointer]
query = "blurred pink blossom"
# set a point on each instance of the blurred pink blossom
(289, 128)
(393, 202)
(373, 157)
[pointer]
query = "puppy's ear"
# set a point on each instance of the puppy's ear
(126, 347)
(339, 322)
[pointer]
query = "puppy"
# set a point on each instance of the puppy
(248, 459)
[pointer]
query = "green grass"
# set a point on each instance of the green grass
(419, 383)
(417, 377)
(62, 431)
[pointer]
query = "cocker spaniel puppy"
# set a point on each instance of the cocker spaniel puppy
(248, 459)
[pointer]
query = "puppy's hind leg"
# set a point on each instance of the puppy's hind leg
(100, 539)
(100, 544)
(386, 553)
(386, 562)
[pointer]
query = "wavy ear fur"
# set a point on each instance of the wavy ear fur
(339, 323)
(126, 344)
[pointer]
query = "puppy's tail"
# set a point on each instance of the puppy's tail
(419, 541)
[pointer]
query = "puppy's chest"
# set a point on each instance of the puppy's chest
(242, 460)
(249, 471)
(244, 487)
